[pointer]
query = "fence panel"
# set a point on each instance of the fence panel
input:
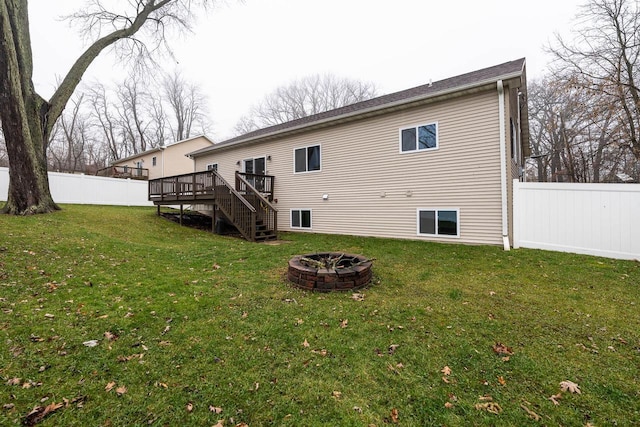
(593, 219)
(89, 190)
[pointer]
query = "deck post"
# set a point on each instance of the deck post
(158, 213)
(181, 214)
(213, 219)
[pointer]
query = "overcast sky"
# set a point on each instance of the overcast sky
(241, 51)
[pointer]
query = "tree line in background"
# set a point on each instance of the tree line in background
(104, 123)
(585, 114)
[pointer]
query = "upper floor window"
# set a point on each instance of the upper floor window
(419, 138)
(154, 161)
(307, 159)
(212, 167)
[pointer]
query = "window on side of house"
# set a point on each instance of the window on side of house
(154, 161)
(212, 167)
(419, 138)
(307, 159)
(439, 222)
(301, 218)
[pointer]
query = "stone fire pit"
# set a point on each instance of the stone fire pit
(329, 271)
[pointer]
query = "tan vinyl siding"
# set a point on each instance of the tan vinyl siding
(362, 159)
(172, 160)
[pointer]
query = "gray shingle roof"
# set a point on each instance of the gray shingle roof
(463, 81)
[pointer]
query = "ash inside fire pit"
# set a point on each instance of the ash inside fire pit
(330, 271)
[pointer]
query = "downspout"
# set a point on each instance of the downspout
(503, 168)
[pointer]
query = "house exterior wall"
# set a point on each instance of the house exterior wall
(373, 188)
(171, 160)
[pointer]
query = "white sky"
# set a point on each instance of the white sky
(241, 51)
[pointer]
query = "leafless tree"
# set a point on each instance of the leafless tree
(131, 111)
(604, 56)
(106, 121)
(70, 138)
(575, 135)
(141, 27)
(305, 97)
(187, 104)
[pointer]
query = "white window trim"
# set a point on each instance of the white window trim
(446, 236)
(301, 227)
(307, 165)
(206, 167)
(418, 150)
(154, 161)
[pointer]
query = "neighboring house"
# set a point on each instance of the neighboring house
(161, 161)
(434, 162)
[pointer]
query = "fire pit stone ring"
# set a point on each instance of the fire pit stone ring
(330, 271)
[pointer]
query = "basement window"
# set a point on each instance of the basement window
(419, 138)
(439, 222)
(301, 218)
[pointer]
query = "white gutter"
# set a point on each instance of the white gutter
(503, 168)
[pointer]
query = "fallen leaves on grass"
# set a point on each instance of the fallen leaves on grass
(90, 343)
(305, 343)
(215, 409)
(110, 336)
(13, 381)
(357, 297)
(570, 386)
(121, 390)
(189, 407)
(491, 407)
(130, 357)
(394, 416)
(501, 380)
(446, 370)
(555, 398)
(38, 413)
(110, 385)
(392, 348)
(531, 414)
(501, 349)
(336, 394)
(344, 323)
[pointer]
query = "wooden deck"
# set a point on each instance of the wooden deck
(248, 205)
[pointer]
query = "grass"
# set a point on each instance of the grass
(204, 321)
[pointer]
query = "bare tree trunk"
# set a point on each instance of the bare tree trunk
(24, 116)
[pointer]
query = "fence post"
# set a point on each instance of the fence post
(517, 188)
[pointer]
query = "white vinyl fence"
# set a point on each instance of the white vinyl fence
(593, 219)
(89, 190)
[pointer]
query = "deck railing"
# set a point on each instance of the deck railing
(261, 183)
(124, 172)
(235, 207)
(187, 187)
(266, 213)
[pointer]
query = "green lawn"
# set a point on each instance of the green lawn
(195, 328)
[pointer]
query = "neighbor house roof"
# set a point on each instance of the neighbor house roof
(160, 148)
(375, 106)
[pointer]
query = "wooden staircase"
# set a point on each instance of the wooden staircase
(248, 209)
